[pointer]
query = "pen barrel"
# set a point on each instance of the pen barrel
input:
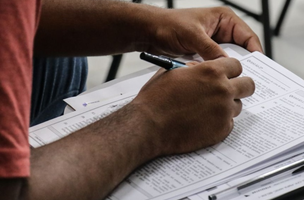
(157, 60)
(262, 182)
(228, 194)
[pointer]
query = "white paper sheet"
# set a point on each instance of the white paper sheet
(57, 128)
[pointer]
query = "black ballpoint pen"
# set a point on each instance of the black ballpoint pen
(162, 61)
(288, 170)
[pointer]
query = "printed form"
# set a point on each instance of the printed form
(270, 123)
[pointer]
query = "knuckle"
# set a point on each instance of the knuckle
(224, 110)
(231, 63)
(226, 90)
(209, 47)
(212, 70)
(192, 63)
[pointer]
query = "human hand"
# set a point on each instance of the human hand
(193, 107)
(198, 30)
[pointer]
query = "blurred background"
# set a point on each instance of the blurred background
(287, 48)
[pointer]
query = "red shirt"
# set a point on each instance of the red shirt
(18, 22)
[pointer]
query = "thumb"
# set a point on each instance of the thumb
(209, 49)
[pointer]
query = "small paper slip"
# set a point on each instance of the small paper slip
(113, 90)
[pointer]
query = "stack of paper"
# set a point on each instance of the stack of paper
(266, 135)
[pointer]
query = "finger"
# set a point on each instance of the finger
(230, 66)
(237, 107)
(234, 29)
(242, 87)
(253, 44)
(245, 37)
(192, 63)
(207, 48)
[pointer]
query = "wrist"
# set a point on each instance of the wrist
(143, 21)
(151, 127)
(149, 146)
(136, 132)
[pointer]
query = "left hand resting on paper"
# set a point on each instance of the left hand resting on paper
(198, 30)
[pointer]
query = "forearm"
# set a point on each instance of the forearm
(89, 163)
(99, 27)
